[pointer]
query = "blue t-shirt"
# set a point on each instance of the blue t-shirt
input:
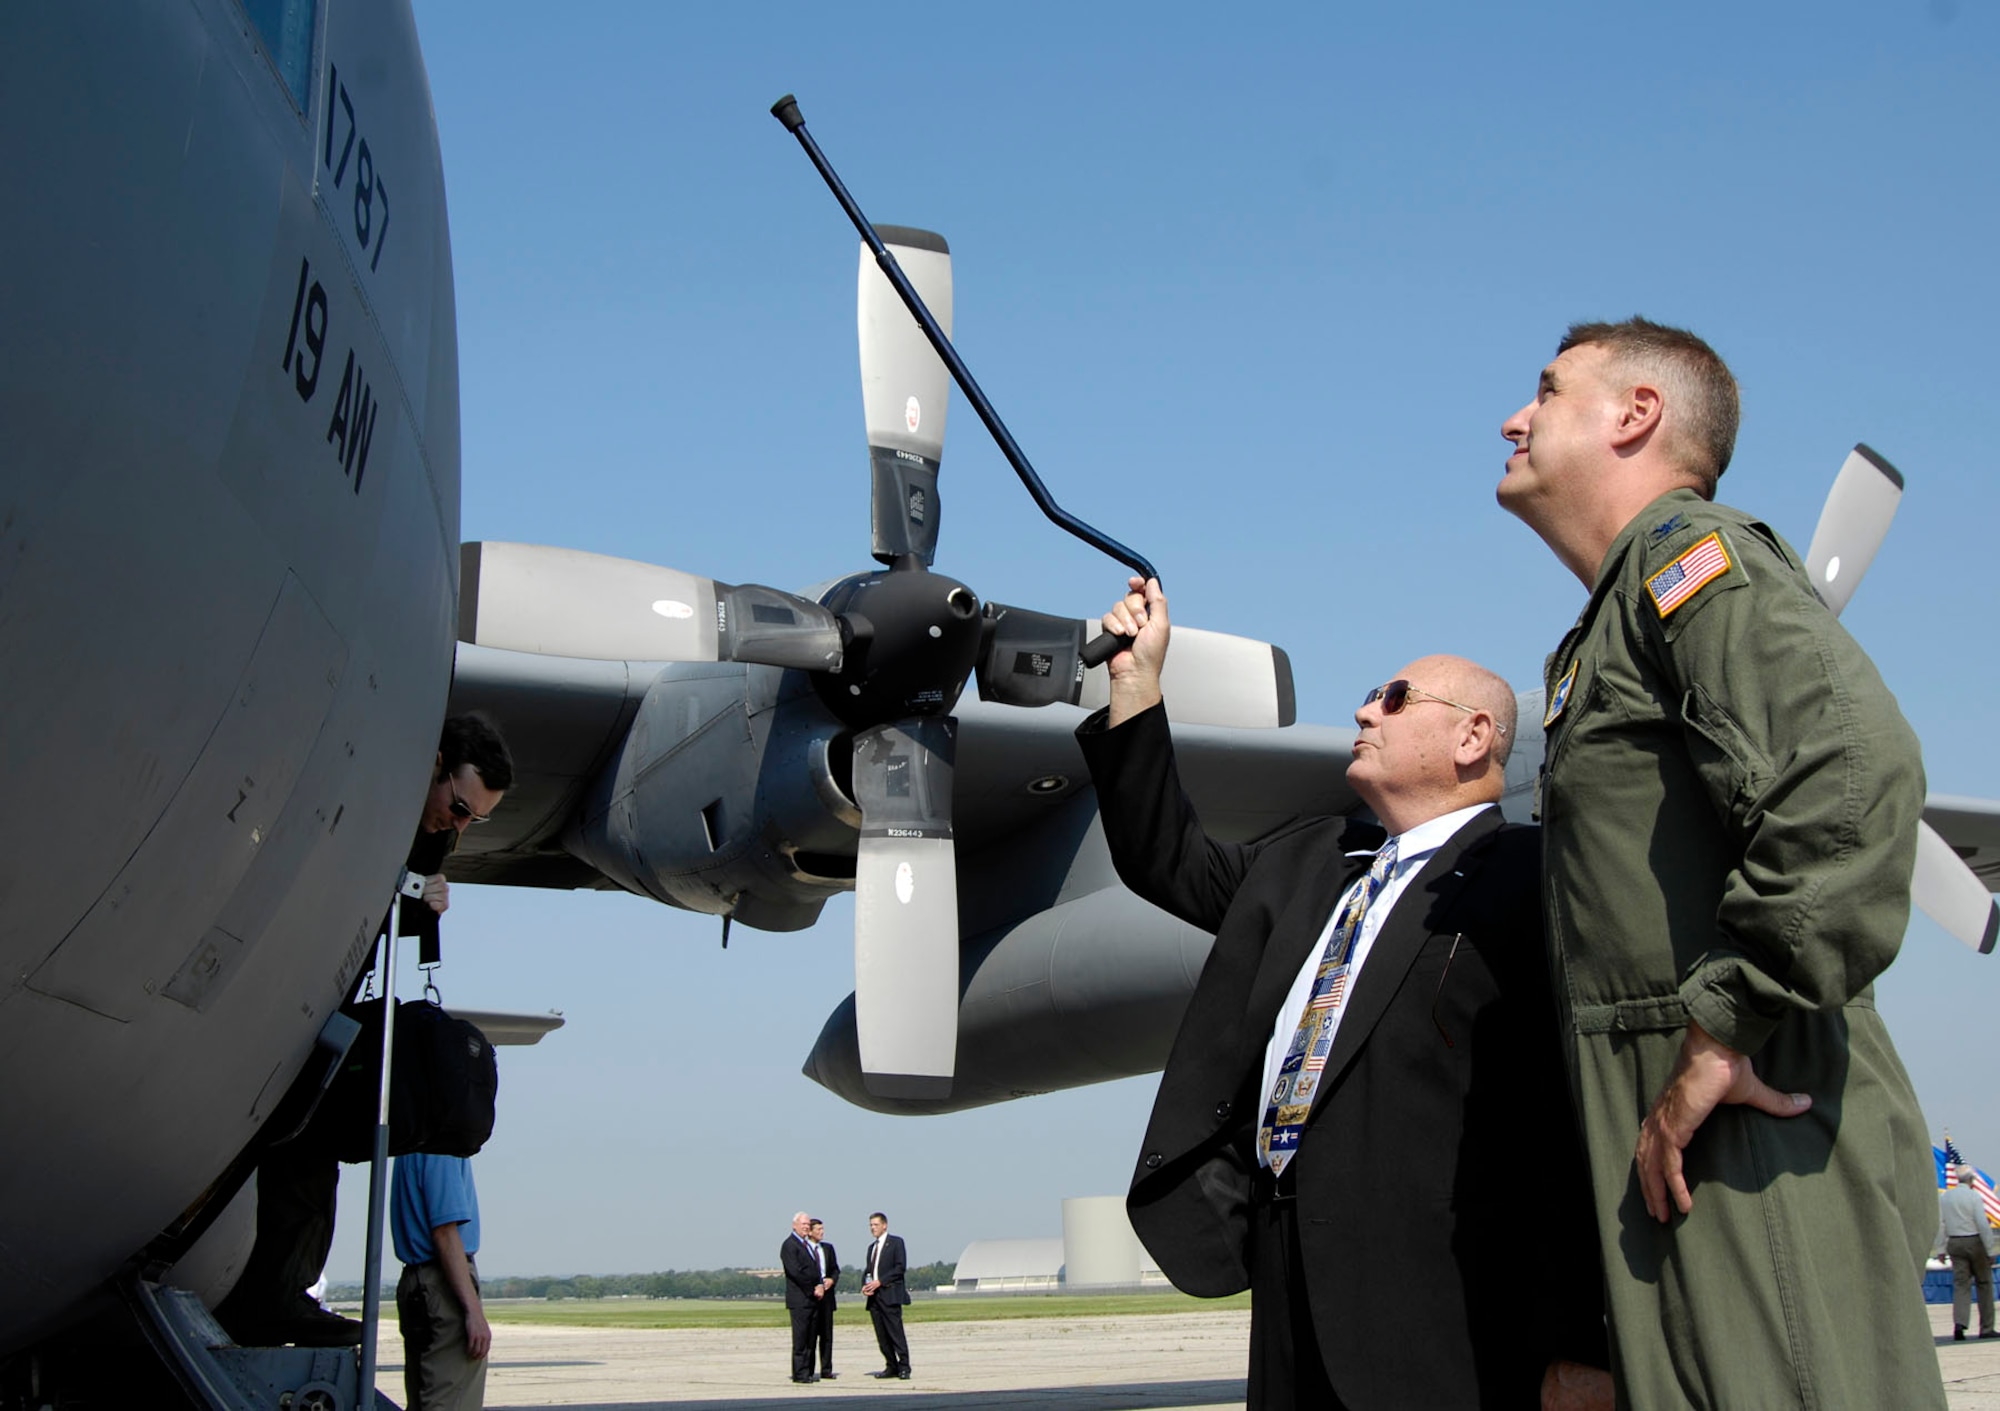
(426, 1192)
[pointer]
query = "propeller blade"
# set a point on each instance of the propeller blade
(906, 908)
(1951, 894)
(1030, 658)
(1212, 678)
(904, 392)
(1852, 525)
(564, 602)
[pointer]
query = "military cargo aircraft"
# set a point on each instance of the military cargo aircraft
(228, 558)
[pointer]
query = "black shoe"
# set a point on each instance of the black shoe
(805, 1379)
(904, 1375)
(829, 1376)
(1958, 1332)
(1990, 1333)
(885, 1372)
(304, 1324)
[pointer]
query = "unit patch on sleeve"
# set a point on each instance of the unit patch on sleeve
(1687, 575)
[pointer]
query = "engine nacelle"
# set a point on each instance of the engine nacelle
(1090, 990)
(727, 797)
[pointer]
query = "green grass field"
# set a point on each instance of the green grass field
(738, 1313)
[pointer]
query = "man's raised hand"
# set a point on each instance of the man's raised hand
(1135, 672)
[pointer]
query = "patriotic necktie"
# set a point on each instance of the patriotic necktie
(1298, 1080)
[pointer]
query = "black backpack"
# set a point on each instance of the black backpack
(441, 1095)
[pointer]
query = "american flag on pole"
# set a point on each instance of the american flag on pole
(1949, 1160)
(1685, 576)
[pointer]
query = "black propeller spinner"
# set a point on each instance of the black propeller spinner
(912, 640)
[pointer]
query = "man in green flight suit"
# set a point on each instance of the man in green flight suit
(1729, 810)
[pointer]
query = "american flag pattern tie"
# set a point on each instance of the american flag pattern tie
(1298, 1080)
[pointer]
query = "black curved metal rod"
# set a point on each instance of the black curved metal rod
(786, 111)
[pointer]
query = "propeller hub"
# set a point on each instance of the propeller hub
(915, 636)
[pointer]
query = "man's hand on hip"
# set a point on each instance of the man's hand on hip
(1707, 1074)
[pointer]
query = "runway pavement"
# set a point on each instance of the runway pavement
(1190, 1361)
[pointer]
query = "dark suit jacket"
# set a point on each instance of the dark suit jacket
(832, 1272)
(1443, 1211)
(890, 1270)
(801, 1272)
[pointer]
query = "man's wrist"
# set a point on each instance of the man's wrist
(1130, 698)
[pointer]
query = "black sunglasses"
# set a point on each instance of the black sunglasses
(460, 808)
(1398, 693)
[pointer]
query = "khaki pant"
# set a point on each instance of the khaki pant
(1970, 1263)
(438, 1374)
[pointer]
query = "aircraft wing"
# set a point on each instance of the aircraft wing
(1972, 827)
(567, 720)
(502, 1027)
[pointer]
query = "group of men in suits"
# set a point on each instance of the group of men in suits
(812, 1275)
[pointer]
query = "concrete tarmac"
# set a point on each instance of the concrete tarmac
(1190, 1361)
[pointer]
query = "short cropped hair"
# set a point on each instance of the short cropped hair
(878, 1215)
(1703, 405)
(475, 740)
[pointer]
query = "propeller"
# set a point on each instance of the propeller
(916, 638)
(889, 653)
(1851, 529)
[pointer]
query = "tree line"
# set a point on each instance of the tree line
(673, 1283)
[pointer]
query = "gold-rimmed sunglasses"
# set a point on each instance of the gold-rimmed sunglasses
(1396, 694)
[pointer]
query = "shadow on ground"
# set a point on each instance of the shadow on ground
(1138, 1396)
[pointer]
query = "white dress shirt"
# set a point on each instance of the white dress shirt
(1414, 849)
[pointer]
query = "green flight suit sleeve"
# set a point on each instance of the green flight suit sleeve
(1814, 776)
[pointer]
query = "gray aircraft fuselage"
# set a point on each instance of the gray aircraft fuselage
(228, 544)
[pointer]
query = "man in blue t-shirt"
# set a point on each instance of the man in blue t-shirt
(434, 1220)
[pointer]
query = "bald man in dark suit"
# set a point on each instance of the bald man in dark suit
(1364, 1118)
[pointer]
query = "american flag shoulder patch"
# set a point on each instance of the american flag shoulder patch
(1687, 575)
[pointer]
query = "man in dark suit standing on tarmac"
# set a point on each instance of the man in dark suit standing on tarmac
(829, 1263)
(1364, 1118)
(805, 1287)
(882, 1285)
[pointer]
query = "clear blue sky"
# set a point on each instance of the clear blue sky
(1255, 292)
